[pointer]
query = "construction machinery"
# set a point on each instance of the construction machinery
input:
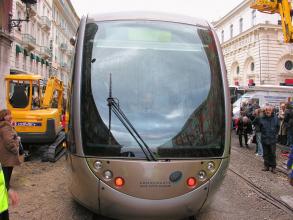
(37, 111)
(282, 7)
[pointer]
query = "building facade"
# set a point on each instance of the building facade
(5, 46)
(34, 47)
(253, 47)
(64, 25)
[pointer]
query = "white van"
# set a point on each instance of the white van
(263, 95)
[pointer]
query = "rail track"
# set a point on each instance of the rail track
(278, 168)
(264, 195)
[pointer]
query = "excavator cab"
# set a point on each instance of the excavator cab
(36, 118)
(21, 92)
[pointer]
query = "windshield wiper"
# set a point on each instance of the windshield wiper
(113, 104)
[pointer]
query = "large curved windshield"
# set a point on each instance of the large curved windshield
(166, 79)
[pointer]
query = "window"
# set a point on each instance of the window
(33, 30)
(231, 30)
(223, 36)
(169, 95)
(17, 60)
(252, 66)
(237, 70)
(240, 25)
(288, 65)
(253, 17)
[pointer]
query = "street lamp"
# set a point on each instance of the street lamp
(16, 22)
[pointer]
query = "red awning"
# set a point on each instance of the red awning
(288, 81)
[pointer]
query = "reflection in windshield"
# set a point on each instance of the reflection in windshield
(168, 83)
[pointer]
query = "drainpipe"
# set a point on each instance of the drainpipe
(260, 81)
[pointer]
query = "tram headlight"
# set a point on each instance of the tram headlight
(202, 175)
(211, 166)
(108, 174)
(97, 165)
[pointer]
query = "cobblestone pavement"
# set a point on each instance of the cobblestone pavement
(44, 195)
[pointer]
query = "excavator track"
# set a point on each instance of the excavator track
(56, 150)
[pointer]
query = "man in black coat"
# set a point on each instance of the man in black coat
(269, 128)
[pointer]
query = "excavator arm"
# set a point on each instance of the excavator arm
(53, 85)
(282, 7)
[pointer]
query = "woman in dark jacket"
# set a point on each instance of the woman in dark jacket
(9, 151)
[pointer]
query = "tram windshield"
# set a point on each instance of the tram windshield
(166, 79)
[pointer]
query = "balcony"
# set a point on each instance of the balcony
(63, 65)
(63, 46)
(46, 23)
(69, 52)
(45, 51)
(28, 41)
(33, 10)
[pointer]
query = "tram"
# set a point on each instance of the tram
(149, 125)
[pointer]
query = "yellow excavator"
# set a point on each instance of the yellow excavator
(37, 112)
(282, 7)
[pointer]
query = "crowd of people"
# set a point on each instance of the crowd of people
(266, 127)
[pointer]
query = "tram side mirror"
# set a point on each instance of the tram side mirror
(72, 41)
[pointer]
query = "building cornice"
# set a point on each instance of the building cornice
(232, 13)
(252, 29)
(6, 37)
(65, 13)
(73, 10)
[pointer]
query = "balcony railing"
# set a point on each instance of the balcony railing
(45, 51)
(46, 23)
(33, 10)
(29, 41)
(69, 52)
(63, 65)
(63, 46)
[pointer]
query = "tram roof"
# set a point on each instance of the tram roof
(151, 16)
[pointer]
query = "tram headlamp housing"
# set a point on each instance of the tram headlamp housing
(97, 165)
(202, 175)
(211, 166)
(108, 175)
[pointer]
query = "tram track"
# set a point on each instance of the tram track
(264, 195)
(278, 168)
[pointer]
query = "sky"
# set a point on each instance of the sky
(210, 10)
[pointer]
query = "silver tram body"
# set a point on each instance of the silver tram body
(165, 76)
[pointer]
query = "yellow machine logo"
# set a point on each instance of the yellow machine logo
(28, 124)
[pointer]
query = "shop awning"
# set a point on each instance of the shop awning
(33, 57)
(42, 61)
(47, 63)
(18, 49)
(38, 59)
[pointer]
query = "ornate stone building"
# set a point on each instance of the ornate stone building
(41, 46)
(5, 46)
(253, 48)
